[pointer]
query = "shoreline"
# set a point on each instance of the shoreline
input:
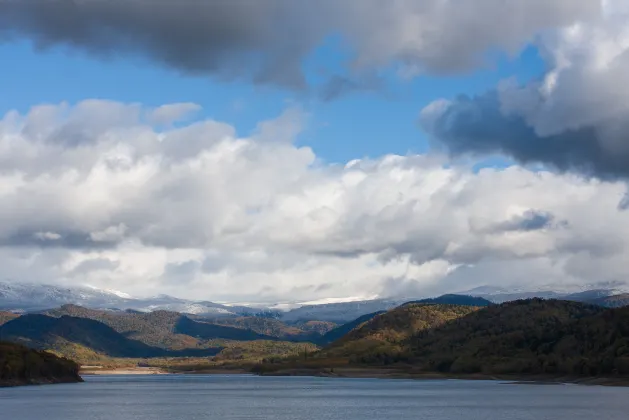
(372, 373)
(39, 381)
(92, 371)
(390, 373)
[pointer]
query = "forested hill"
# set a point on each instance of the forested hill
(20, 365)
(341, 330)
(387, 333)
(525, 337)
(44, 332)
(528, 337)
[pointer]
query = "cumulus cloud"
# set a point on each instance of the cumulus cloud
(95, 193)
(266, 41)
(576, 118)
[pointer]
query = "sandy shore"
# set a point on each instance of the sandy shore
(93, 370)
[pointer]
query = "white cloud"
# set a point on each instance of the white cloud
(171, 113)
(200, 212)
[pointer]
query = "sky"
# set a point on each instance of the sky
(287, 150)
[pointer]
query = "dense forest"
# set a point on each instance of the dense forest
(530, 337)
(20, 365)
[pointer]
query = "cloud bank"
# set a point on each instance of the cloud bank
(266, 41)
(576, 118)
(102, 193)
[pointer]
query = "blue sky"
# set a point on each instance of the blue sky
(355, 125)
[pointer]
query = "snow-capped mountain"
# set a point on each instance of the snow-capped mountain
(29, 297)
(340, 312)
(36, 297)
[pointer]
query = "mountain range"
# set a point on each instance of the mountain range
(22, 297)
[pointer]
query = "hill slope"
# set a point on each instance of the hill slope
(532, 336)
(20, 365)
(46, 332)
(342, 330)
(527, 337)
(270, 327)
(6, 317)
(163, 329)
(385, 335)
(207, 331)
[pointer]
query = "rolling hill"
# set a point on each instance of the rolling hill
(526, 337)
(529, 336)
(163, 329)
(385, 335)
(271, 327)
(342, 330)
(44, 332)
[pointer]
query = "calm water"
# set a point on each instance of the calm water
(244, 397)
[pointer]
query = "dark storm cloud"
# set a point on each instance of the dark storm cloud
(476, 125)
(266, 41)
(227, 38)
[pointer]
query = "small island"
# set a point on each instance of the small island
(20, 365)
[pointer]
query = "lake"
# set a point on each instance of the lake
(201, 397)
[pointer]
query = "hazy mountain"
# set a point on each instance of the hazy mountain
(614, 301)
(456, 300)
(579, 294)
(339, 312)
